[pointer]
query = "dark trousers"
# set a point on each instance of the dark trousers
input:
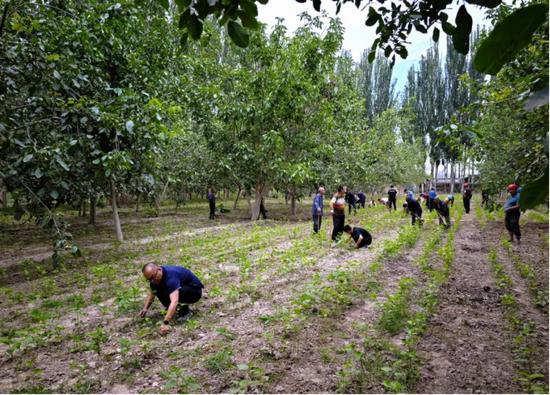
(415, 216)
(212, 209)
(511, 220)
(338, 222)
(392, 202)
(466, 205)
(317, 219)
(350, 205)
(430, 204)
(188, 294)
(366, 241)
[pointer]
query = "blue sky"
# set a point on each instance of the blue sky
(358, 36)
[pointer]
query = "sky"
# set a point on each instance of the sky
(358, 36)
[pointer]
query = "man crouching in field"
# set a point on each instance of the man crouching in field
(174, 286)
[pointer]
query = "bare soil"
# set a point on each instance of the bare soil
(468, 347)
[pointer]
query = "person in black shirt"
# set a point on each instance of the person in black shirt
(362, 198)
(466, 196)
(350, 200)
(392, 198)
(415, 210)
(212, 202)
(360, 236)
(442, 212)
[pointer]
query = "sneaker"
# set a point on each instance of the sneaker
(185, 317)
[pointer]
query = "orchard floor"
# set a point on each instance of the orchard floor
(422, 310)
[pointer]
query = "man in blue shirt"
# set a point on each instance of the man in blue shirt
(511, 208)
(174, 286)
(317, 210)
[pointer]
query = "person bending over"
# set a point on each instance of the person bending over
(175, 287)
(360, 236)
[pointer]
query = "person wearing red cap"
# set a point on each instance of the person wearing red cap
(511, 208)
(466, 196)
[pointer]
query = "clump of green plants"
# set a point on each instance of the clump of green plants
(250, 379)
(178, 380)
(395, 310)
(221, 361)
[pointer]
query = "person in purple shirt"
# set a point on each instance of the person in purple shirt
(317, 209)
(175, 287)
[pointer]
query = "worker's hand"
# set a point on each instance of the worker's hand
(164, 329)
(143, 313)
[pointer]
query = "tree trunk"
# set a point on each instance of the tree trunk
(83, 207)
(293, 201)
(255, 209)
(137, 202)
(435, 174)
(236, 199)
(116, 218)
(226, 194)
(156, 202)
(432, 175)
(452, 188)
(93, 202)
(4, 197)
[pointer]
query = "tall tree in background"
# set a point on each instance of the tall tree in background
(376, 85)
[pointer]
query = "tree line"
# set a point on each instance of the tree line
(101, 98)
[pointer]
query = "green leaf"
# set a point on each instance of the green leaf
(461, 35)
(62, 164)
(403, 52)
(242, 366)
(248, 21)
(27, 158)
(183, 4)
(372, 18)
(250, 8)
(508, 37)
(193, 24)
(317, 5)
(535, 192)
(372, 55)
(183, 39)
(165, 4)
(485, 3)
(448, 27)
(435, 35)
(54, 194)
(238, 34)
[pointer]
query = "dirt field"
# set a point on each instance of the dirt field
(422, 310)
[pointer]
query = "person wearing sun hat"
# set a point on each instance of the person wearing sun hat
(511, 208)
